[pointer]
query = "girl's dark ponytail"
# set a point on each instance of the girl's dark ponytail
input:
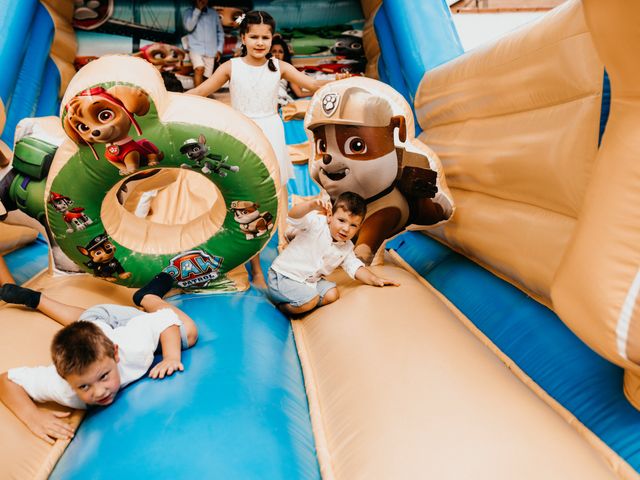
(270, 63)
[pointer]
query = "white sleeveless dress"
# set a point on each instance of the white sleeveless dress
(254, 92)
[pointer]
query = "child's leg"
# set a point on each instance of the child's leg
(330, 297)
(5, 274)
(152, 303)
(257, 273)
(150, 296)
(60, 312)
(299, 310)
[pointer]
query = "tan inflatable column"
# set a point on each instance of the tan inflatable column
(597, 285)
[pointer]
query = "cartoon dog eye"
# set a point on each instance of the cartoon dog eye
(321, 146)
(82, 128)
(158, 55)
(355, 146)
(105, 116)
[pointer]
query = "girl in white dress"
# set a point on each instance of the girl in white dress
(254, 79)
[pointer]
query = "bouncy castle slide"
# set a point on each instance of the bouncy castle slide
(482, 364)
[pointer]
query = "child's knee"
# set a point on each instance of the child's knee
(305, 307)
(331, 296)
(192, 335)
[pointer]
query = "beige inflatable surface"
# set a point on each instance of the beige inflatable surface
(515, 126)
(597, 285)
(15, 236)
(25, 336)
(400, 389)
(65, 44)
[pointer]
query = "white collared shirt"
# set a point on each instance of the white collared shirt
(313, 253)
(137, 342)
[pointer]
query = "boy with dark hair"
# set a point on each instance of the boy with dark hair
(296, 282)
(99, 351)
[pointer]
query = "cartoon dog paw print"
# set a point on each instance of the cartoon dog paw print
(86, 10)
(330, 103)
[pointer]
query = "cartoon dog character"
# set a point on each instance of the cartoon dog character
(97, 115)
(253, 223)
(355, 151)
(349, 44)
(165, 57)
(101, 254)
(197, 151)
(73, 217)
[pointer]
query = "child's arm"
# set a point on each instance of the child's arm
(300, 210)
(294, 76)
(367, 276)
(46, 425)
(295, 88)
(171, 353)
(214, 82)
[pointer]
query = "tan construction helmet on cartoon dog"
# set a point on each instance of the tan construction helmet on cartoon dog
(349, 105)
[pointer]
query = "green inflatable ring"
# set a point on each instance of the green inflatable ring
(84, 194)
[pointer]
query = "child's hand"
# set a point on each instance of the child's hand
(166, 368)
(322, 205)
(381, 282)
(50, 426)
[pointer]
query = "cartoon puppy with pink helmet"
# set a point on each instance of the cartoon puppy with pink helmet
(99, 115)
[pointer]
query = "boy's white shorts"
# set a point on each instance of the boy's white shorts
(198, 60)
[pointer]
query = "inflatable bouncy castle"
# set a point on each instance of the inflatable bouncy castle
(500, 185)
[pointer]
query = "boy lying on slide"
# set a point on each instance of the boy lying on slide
(99, 351)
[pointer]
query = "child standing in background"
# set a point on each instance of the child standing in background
(280, 50)
(254, 80)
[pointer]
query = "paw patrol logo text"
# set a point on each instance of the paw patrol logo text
(194, 268)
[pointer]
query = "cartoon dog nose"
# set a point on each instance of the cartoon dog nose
(95, 133)
(326, 159)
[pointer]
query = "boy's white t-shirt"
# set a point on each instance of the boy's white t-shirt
(137, 341)
(313, 252)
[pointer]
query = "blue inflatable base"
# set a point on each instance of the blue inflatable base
(28, 261)
(535, 339)
(239, 409)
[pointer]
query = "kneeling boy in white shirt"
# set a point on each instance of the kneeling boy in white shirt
(295, 281)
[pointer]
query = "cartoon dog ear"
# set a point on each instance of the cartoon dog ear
(134, 99)
(83, 250)
(398, 122)
(202, 139)
(68, 127)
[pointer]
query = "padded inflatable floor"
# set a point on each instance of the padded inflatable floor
(534, 338)
(238, 410)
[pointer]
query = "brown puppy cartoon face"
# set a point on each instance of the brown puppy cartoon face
(352, 158)
(97, 115)
(165, 57)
